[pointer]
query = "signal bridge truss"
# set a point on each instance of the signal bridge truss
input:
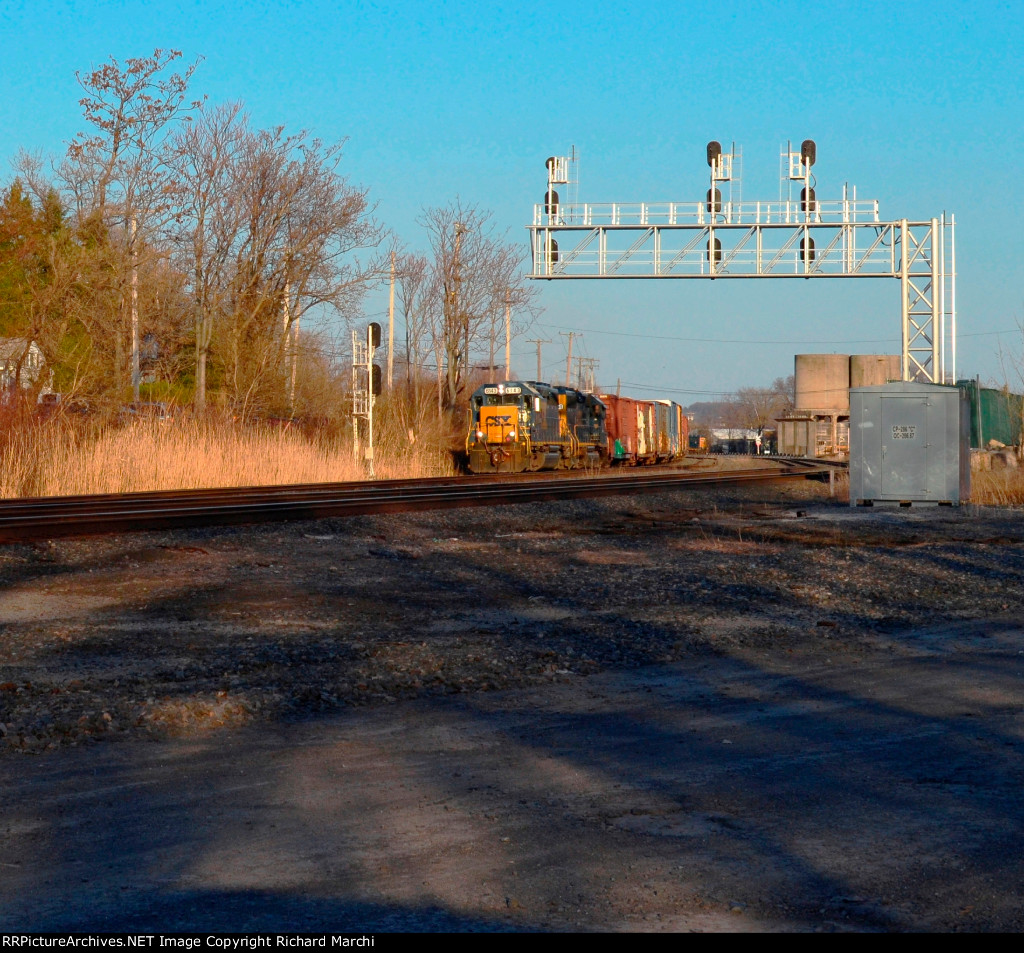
(785, 239)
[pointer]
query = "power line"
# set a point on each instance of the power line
(667, 337)
(678, 390)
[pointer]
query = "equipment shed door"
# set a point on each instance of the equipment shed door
(904, 447)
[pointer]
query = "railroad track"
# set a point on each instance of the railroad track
(51, 517)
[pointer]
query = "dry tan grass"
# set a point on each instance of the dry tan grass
(58, 458)
(998, 487)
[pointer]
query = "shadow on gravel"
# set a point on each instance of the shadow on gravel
(700, 777)
(213, 911)
(796, 799)
(814, 802)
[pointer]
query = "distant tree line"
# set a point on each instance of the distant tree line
(749, 408)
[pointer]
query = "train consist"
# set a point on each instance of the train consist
(528, 425)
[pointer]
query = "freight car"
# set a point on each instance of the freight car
(528, 425)
(645, 431)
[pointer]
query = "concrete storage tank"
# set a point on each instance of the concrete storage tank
(870, 370)
(822, 382)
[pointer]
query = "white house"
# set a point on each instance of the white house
(15, 352)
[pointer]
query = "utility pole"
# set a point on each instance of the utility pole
(490, 360)
(440, 379)
(508, 332)
(291, 344)
(568, 362)
(585, 373)
(539, 342)
(391, 322)
(456, 281)
(136, 372)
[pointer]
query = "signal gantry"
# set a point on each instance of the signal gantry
(722, 238)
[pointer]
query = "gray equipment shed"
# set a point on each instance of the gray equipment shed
(909, 443)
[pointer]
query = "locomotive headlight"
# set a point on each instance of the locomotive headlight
(511, 435)
(479, 435)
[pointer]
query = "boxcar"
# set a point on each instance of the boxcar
(673, 430)
(645, 431)
(621, 424)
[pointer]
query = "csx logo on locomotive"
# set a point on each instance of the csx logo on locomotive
(496, 420)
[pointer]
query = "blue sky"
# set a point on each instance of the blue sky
(919, 105)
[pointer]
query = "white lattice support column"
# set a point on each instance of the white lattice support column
(938, 371)
(920, 282)
(904, 303)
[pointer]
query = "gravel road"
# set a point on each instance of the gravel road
(703, 710)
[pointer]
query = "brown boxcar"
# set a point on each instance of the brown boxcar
(621, 426)
(632, 430)
(644, 431)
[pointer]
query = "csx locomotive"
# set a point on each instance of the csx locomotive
(528, 425)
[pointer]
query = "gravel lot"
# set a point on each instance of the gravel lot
(737, 709)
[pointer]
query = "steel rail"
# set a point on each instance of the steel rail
(52, 504)
(52, 517)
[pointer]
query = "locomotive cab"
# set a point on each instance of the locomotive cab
(498, 438)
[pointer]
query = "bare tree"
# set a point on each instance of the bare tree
(117, 176)
(754, 408)
(204, 156)
(411, 287)
(119, 165)
(1011, 362)
(269, 232)
(473, 272)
